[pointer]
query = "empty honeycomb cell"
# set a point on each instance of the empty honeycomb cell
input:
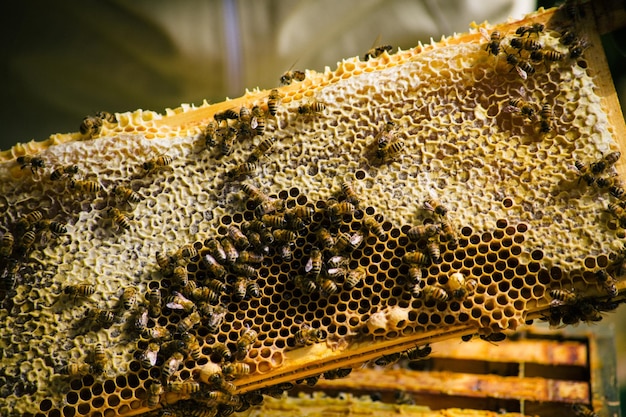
(69, 411)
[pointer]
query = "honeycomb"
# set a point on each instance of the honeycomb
(198, 260)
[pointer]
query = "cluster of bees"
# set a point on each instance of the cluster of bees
(17, 244)
(522, 50)
(91, 125)
(94, 365)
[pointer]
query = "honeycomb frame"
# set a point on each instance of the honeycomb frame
(479, 159)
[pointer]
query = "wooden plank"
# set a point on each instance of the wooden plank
(458, 384)
(544, 352)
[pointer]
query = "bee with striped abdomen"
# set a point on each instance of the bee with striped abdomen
(355, 276)
(272, 102)
(80, 290)
(376, 51)
(434, 293)
(535, 28)
(149, 356)
(493, 41)
(67, 171)
(171, 365)
(90, 126)
(129, 298)
(314, 107)
(258, 120)
(126, 195)
(158, 162)
(307, 335)
(234, 370)
(261, 149)
(313, 266)
(246, 340)
(290, 76)
(120, 219)
(85, 186)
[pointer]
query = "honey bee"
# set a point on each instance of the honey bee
(226, 115)
(547, 55)
(219, 382)
(568, 38)
(26, 241)
(213, 266)
(126, 195)
(560, 297)
(216, 250)
(546, 118)
(80, 290)
(608, 282)
(209, 133)
(284, 236)
(335, 273)
(347, 187)
(6, 244)
(307, 335)
(581, 410)
(222, 351)
(387, 360)
(154, 393)
(340, 209)
(306, 285)
(416, 353)
(326, 285)
(342, 243)
(85, 186)
(215, 318)
(459, 286)
(119, 218)
(216, 285)
(522, 67)
(614, 184)
(129, 297)
(239, 239)
(449, 235)
(106, 116)
(57, 228)
(99, 359)
(183, 387)
(75, 369)
(415, 290)
(258, 120)
(433, 250)
(435, 207)
(186, 252)
(374, 227)
(245, 123)
(67, 171)
(416, 233)
(311, 108)
(415, 258)
(148, 357)
(390, 151)
(272, 101)
(337, 373)
(177, 301)
(244, 269)
(403, 397)
(242, 170)
(261, 149)
(584, 173)
(104, 318)
(246, 340)
(290, 76)
(154, 302)
(385, 135)
(576, 49)
(239, 288)
(519, 105)
(618, 212)
(171, 365)
(158, 162)
(254, 194)
(90, 126)
(250, 257)
(434, 293)
(325, 238)
(535, 28)
(234, 370)
(252, 289)
(314, 264)
(180, 276)
(269, 206)
(375, 52)
(227, 135)
(494, 40)
(415, 275)
(205, 294)
(29, 220)
(156, 333)
(604, 163)
(165, 262)
(354, 277)
(526, 44)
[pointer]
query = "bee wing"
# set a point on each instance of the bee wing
(254, 122)
(521, 72)
(510, 109)
(175, 305)
(356, 239)
(309, 265)
(484, 34)
(150, 356)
